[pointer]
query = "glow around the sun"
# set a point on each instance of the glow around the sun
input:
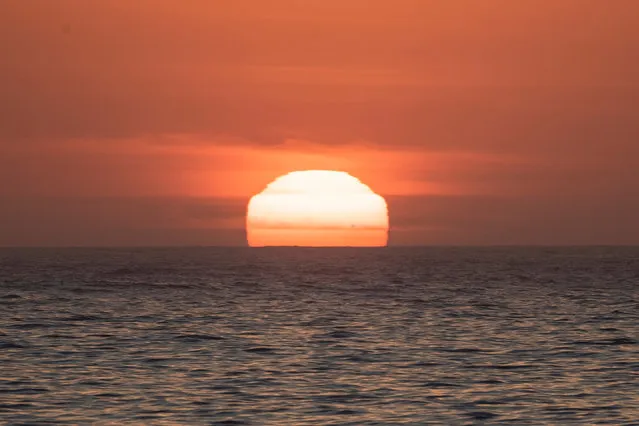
(317, 208)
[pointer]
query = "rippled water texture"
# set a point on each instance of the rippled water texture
(320, 336)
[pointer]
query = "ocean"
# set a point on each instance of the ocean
(303, 336)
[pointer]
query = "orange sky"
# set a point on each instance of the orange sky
(154, 121)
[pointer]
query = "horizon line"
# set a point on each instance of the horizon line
(390, 246)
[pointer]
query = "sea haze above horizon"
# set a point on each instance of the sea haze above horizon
(305, 336)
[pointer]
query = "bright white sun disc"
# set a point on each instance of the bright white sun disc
(317, 208)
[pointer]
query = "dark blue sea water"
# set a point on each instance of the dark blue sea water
(417, 336)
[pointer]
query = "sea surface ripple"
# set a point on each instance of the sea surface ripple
(410, 336)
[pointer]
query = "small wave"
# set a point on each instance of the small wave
(11, 345)
(424, 364)
(25, 391)
(347, 412)
(31, 325)
(438, 385)
(156, 360)
(261, 350)
(463, 350)
(357, 358)
(108, 395)
(17, 406)
(498, 366)
(341, 397)
(193, 338)
(511, 366)
(490, 382)
(318, 322)
(608, 342)
(10, 297)
(137, 270)
(482, 415)
(80, 317)
(497, 401)
(337, 334)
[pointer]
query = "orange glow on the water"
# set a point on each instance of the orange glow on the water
(317, 208)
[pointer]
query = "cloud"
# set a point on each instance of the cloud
(96, 221)
(500, 220)
(486, 76)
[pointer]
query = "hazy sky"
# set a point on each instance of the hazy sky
(482, 122)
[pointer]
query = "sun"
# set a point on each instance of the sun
(317, 208)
